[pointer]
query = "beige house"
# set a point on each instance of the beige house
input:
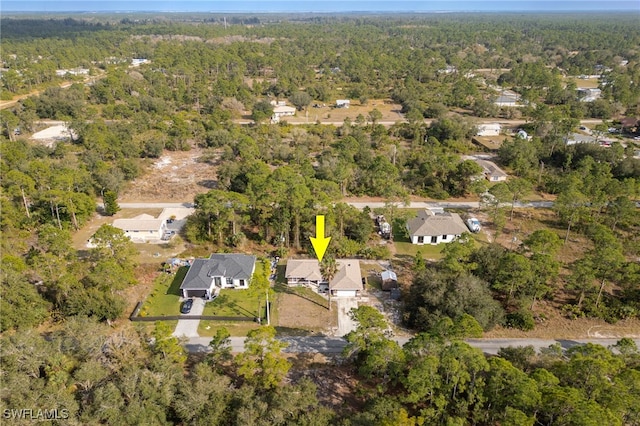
(435, 228)
(303, 272)
(491, 171)
(489, 129)
(145, 228)
(142, 228)
(282, 111)
(346, 283)
(348, 279)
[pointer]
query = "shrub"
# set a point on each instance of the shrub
(522, 320)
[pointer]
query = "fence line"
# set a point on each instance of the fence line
(136, 317)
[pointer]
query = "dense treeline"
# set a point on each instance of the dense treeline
(90, 373)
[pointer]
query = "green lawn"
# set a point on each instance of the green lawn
(237, 328)
(234, 303)
(164, 298)
(404, 247)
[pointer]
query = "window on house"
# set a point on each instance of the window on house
(241, 283)
(444, 237)
(229, 281)
(420, 240)
(434, 239)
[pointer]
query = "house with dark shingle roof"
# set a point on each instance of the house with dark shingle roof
(219, 271)
(435, 228)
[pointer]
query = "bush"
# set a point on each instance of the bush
(522, 320)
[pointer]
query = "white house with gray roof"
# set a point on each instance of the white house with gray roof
(435, 228)
(206, 276)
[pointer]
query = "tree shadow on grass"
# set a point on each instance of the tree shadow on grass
(225, 302)
(174, 287)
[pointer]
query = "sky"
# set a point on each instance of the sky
(266, 6)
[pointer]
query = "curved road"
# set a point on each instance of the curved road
(334, 345)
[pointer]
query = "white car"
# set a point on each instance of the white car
(473, 224)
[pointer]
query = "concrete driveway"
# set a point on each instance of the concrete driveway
(345, 324)
(189, 327)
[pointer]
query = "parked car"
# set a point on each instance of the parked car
(186, 306)
(473, 224)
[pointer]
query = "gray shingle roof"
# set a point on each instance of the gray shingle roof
(236, 266)
(429, 224)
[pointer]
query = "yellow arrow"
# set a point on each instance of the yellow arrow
(320, 243)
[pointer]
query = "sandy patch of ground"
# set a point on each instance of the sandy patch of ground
(174, 177)
(557, 326)
(53, 134)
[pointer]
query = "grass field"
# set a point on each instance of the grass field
(164, 298)
(235, 303)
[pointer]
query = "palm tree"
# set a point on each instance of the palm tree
(328, 269)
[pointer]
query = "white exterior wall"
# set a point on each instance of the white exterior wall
(345, 293)
(144, 235)
(439, 239)
(234, 284)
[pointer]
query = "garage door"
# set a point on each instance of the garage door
(196, 293)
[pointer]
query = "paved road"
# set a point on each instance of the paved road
(362, 204)
(155, 205)
(334, 345)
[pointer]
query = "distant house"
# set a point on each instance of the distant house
(348, 279)
(343, 103)
(136, 62)
(389, 280)
(449, 69)
(508, 98)
(589, 94)
(75, 71)
(491, 171)
(280, 111)
(145, 228)
(574, 138)
(435, 228)
(207, 276)
(303, 272)
(491, 129)
(142, 228)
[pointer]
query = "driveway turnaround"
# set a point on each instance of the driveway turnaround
(189, 327)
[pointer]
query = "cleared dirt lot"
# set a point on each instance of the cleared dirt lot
(176, 176)
(390, 112)
(304, 314)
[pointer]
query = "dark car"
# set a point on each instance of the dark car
(186, 306)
